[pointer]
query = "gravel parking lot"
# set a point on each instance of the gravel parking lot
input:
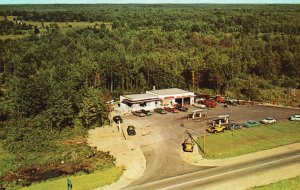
(239, 114)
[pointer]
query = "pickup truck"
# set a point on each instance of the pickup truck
(210, 103)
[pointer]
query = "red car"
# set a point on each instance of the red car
(219, 99)
(210, 103)
(172, 110)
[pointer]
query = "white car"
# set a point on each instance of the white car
(295, 118)
(268, 120)
(197, 105)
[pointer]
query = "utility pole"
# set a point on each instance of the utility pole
(122, 131)
(193, 78)
(204, 142)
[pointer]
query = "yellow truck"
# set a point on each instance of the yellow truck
(188, 145)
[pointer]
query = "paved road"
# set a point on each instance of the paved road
(163, 158)
(214, 177)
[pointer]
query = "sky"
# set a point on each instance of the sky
(145, 1)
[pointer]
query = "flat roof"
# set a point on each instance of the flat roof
(140, 96)
(169, 91)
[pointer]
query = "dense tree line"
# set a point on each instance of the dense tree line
(60, 78)
(199, 18)
(9, 27)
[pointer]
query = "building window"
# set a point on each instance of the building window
(143, 104)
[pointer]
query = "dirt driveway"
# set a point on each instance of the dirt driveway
(160, 137)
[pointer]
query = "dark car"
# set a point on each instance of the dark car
(160, 110)
(131, 130)
(139, 113)
(148, 113)
(180, 107)
(234, 126)
(118, 119)
(232, 102)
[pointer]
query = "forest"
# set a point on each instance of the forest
(60, 77)
(54, 78)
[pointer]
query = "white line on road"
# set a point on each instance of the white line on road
(227, 173)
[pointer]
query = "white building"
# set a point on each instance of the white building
(172, 96)
(135, 102)
(156, 99)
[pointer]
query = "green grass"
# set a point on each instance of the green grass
(287, 184)
(13, 36)
(247, 140)
(50, 148)
(5, 161)
(81, 182)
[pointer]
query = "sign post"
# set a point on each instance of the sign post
(69, 182)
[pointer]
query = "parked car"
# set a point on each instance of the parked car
(219, 99)
(198, 105)
(232, 102)
(117, 119)
(160, 110)
(216, 129)
(251, 123)
(147, 112)
(268, 120)
(295, 118)
(199, 100)
(180, 107)
(210, 103)
(172, 110)
(139, 113)
(234, 126)
(188, 145)
(241, 102)
(131, 130)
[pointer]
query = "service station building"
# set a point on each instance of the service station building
(156, 99)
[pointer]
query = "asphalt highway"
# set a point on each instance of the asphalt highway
(214, 177)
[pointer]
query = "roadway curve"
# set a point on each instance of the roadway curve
(215, 178)
(163, 158)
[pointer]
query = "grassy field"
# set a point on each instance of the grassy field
(64, 26)
(80, 182)
(287, 184)
(247, 140)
